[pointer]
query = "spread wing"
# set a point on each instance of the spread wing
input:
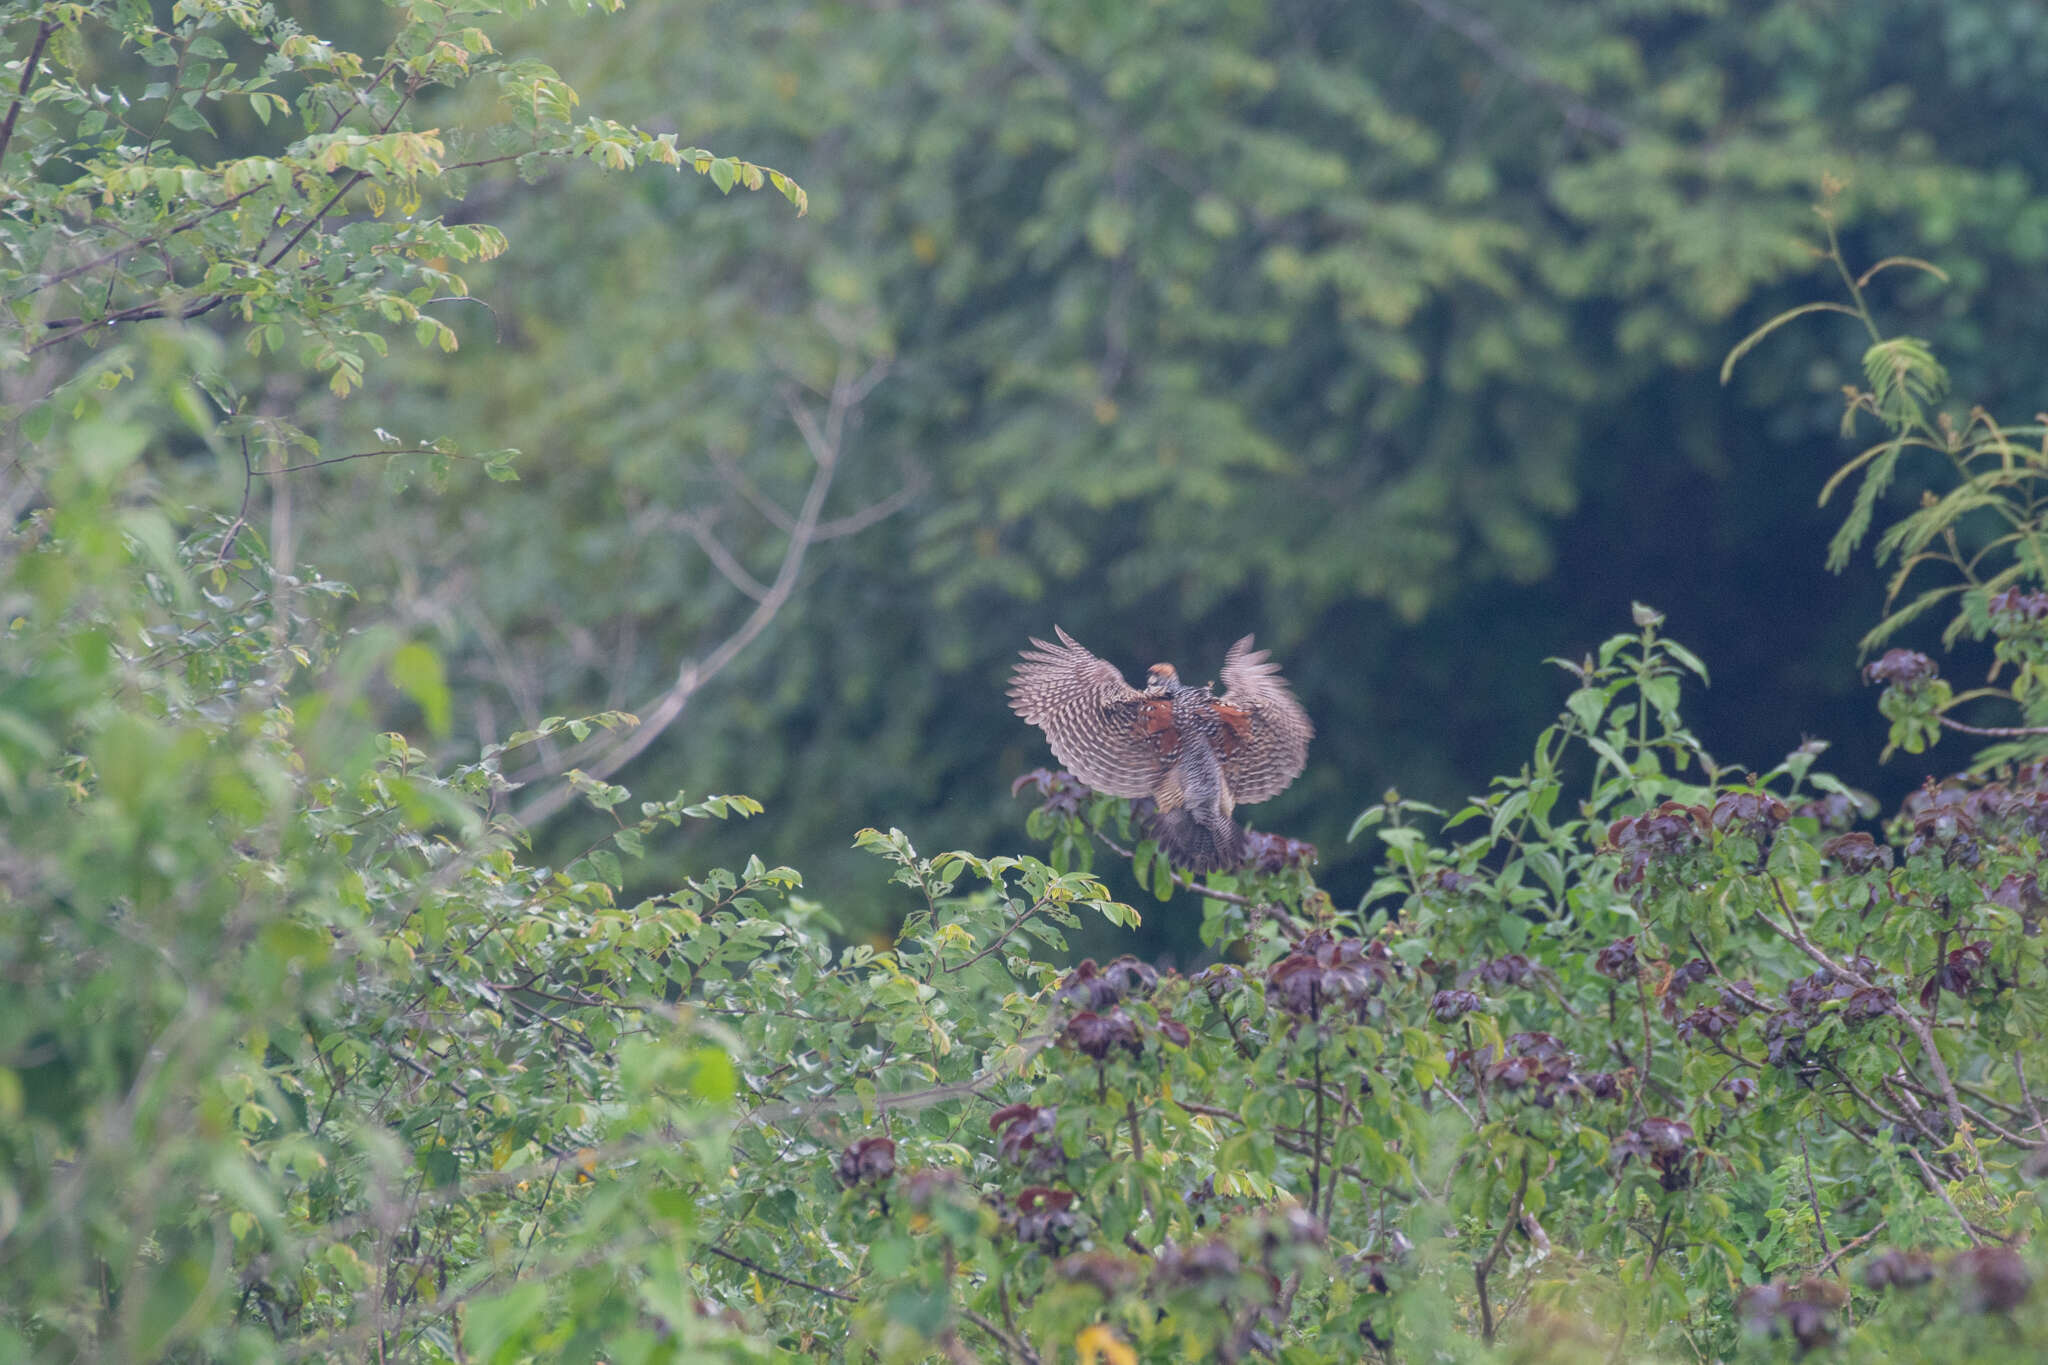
(1271, 742)
(1106, 732)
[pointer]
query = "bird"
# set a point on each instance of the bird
(1197, 755)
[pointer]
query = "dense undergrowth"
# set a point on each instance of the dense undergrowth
(1639, 1055)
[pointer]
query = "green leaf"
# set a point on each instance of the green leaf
(104, 447)
(1686, 657)
(1587, 705)
(1661, 691)
(415, 670)
(1755, 338)
(604, 865)
(712, 1076)
(494, 1329)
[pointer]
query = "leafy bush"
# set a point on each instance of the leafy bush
(1679, 1062)
(1979, 519)
(1638, 1055)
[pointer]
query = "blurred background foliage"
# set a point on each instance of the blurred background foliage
(1386, 331)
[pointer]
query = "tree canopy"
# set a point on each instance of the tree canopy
(402, 459)
(1315, 320)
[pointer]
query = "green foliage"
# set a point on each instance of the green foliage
(272, 1074)
(295, 1031)
(257, 168)
(1648, 1071)
(308, 1055)
(1200, 318)
(1978, 526)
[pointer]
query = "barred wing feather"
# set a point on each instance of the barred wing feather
(1276, 750)
(1092, 718)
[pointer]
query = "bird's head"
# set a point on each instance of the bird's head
(1162, 678)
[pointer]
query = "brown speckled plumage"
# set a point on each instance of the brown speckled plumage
(1197, 755)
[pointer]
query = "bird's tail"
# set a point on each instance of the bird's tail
(1216, 845)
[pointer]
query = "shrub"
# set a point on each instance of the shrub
(305, 1056)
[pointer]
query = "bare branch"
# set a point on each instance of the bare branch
(141, 312)
(358, 178)
(1796, 936)
(2020, 1069)
(1936, 1184)
(1484, 1269)
(604, 755)
(1839, 1252)
(29, 66)
(1482, 35)
(1993, 731)
(234, 530)
(881, 510)
(1016, 1345)
(714, 550)
(915, 480)
(736, 478)
(362, 455)
(792, 1280)
(1820, 1224)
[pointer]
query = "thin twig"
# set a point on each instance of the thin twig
(29, 67)
(1820, 1224)
(1796, 936)
(1843, 1250)
(878, 511)
(1977, 1116)
(339, 194)
(1485, 1267)
(827, 1290)
(1993, 731)
(1012, 927)
(140, 243)
(1211, 1110)
(141, 312)
(227, 539)
(1015, 1345)
(1315, 1159)
(1649, 1052)
(603, 756)
(1228, 897)
(1935, 1183)
(736, 478)
(2020, 1070)
(1458, 1104)
(1869, 1102)
(362, 455)
(721, 558)
(1487, 39)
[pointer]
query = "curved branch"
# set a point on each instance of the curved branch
(1228, 897)
(1796, 936)
(1484, 1269)
(792, 1280)
(30, 65)
(602, 756)
(1000, 939)
(1993, 731)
